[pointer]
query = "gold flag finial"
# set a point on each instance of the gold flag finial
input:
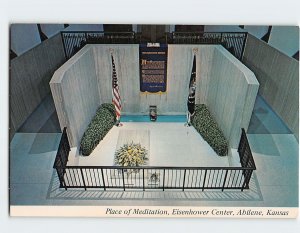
(195, 51)
(111, 51)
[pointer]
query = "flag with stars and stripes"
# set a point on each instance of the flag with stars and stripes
(115, 91)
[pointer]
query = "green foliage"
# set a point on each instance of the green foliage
(131, 154)
(102, 122)
(111, 108)
(209, 130)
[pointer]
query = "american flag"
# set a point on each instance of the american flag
(115, 90)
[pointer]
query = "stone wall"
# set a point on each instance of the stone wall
(223, 83)
(278, 76)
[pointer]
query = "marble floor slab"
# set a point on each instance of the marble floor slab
(170, 144)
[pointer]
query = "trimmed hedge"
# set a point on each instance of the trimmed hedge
(209, 130)
(102, 122)
(111, 108)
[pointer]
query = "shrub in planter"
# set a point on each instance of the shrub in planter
(102, 122)
(111, 108)
(209, 130)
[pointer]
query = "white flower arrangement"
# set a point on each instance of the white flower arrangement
(131, 155)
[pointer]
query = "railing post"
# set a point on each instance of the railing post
(143, 179)
(103, 180)
(123, 179)
(64, 45)
(63, 181)
(246, 180)
(61, 178)
(83, 179)
(242, 147)
(164, 180)
(86, 37)
(249, 177)
(224, 180)
(204, 179)
(244, 44)
(183, 179)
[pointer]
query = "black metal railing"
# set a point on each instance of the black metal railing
(165, 38)
(155, 177)
(62, 156)
(73, 41)
(163, 178)
(246, 157)
(234, 42)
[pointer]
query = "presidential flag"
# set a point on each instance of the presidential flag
(193, 74)
(191, 96)
(115, 91)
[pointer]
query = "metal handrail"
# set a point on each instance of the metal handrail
(202, 32)
(65, 32)
(162, 167)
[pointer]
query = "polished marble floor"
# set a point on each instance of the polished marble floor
(170, 144)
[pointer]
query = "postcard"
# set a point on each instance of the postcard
(160, 121)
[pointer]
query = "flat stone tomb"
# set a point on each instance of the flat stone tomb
(168, 144)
